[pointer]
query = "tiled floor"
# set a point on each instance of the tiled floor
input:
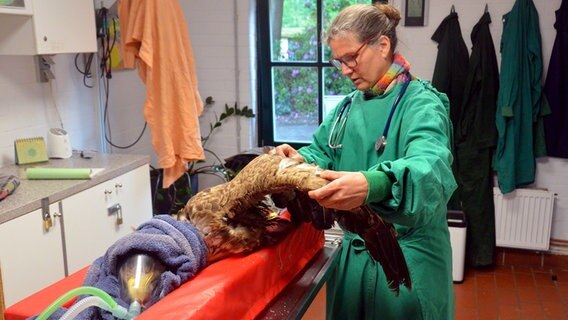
(513, 293)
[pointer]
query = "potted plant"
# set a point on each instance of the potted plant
(172, 199)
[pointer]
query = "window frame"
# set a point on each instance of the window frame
(265, 109)
(264, 74)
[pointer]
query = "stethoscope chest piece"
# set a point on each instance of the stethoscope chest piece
(380, 143)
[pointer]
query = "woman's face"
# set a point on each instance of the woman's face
(372, 61)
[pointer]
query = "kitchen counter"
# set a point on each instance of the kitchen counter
(28, 196)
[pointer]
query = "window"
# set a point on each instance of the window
(297, 85)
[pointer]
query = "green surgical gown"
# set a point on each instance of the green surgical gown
(417, 160)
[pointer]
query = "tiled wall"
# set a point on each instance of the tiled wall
(26, 106)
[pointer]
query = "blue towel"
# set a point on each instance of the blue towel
(177, 245)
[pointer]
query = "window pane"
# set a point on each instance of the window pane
(335, 88)
(293, 30)
(330, 9)
(295, 101)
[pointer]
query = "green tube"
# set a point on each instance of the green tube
(72, 294)
(58, 173)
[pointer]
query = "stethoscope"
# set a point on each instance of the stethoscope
(333, 142)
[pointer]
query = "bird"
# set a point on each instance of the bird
(239, 216)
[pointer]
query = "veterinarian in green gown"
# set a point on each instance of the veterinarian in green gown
(408, 182)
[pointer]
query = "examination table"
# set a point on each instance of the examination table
(272, 283)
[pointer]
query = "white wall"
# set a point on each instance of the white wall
(222, 71)
(29, 108)
(220, 32)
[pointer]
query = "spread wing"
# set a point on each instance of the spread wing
(234, 217)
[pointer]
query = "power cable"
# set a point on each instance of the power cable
(107, 42)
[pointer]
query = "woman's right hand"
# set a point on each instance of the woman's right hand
(285, 150)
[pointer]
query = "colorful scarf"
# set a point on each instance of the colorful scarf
(398, 71)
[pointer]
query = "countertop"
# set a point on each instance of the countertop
(28, 196)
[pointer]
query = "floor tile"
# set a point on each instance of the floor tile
(513, 292)
(509, 312)
(523, 280)
(485, 282)
(507, 296)
(466, 314)
(528, 295)
(532, 311)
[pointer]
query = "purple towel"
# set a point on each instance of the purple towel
(176, 244)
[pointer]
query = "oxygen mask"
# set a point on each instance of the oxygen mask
(139, 277)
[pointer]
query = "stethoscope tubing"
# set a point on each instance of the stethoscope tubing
(334, 145)
(383, 139)
(346, 107)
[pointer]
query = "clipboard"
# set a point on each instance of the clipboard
(30, 150)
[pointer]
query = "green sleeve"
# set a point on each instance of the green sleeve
(379, 186)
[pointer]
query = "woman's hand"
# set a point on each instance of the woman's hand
(347, 190)
(287, 151)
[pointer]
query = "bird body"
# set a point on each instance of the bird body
(234, 217)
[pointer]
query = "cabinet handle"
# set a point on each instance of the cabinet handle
(116, 209)
(57, 215)
(118, 185)
(107, 192)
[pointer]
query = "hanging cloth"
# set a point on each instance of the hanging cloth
(519, 99)
(449, 77)
(556, 125)
(154, 38)
(451, 63)
(476, 137)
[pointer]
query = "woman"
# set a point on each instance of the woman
(406, 181)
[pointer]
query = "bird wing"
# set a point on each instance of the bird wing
(234, 218)
(381, 240)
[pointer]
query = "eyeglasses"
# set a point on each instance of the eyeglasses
(350, 60)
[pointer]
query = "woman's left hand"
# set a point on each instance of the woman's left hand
(347, 190)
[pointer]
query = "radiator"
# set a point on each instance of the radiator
(523, 218)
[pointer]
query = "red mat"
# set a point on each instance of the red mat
(237, 287)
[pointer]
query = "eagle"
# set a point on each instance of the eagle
(239, 216)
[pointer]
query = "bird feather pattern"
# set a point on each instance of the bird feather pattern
(238, 217)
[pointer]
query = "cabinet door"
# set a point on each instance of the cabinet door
(31, 258)
(96, 218)
(64, 26)
(132, 191)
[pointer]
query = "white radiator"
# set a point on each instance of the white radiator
(523, 218)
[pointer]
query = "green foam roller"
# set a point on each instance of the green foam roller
(58, 173)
